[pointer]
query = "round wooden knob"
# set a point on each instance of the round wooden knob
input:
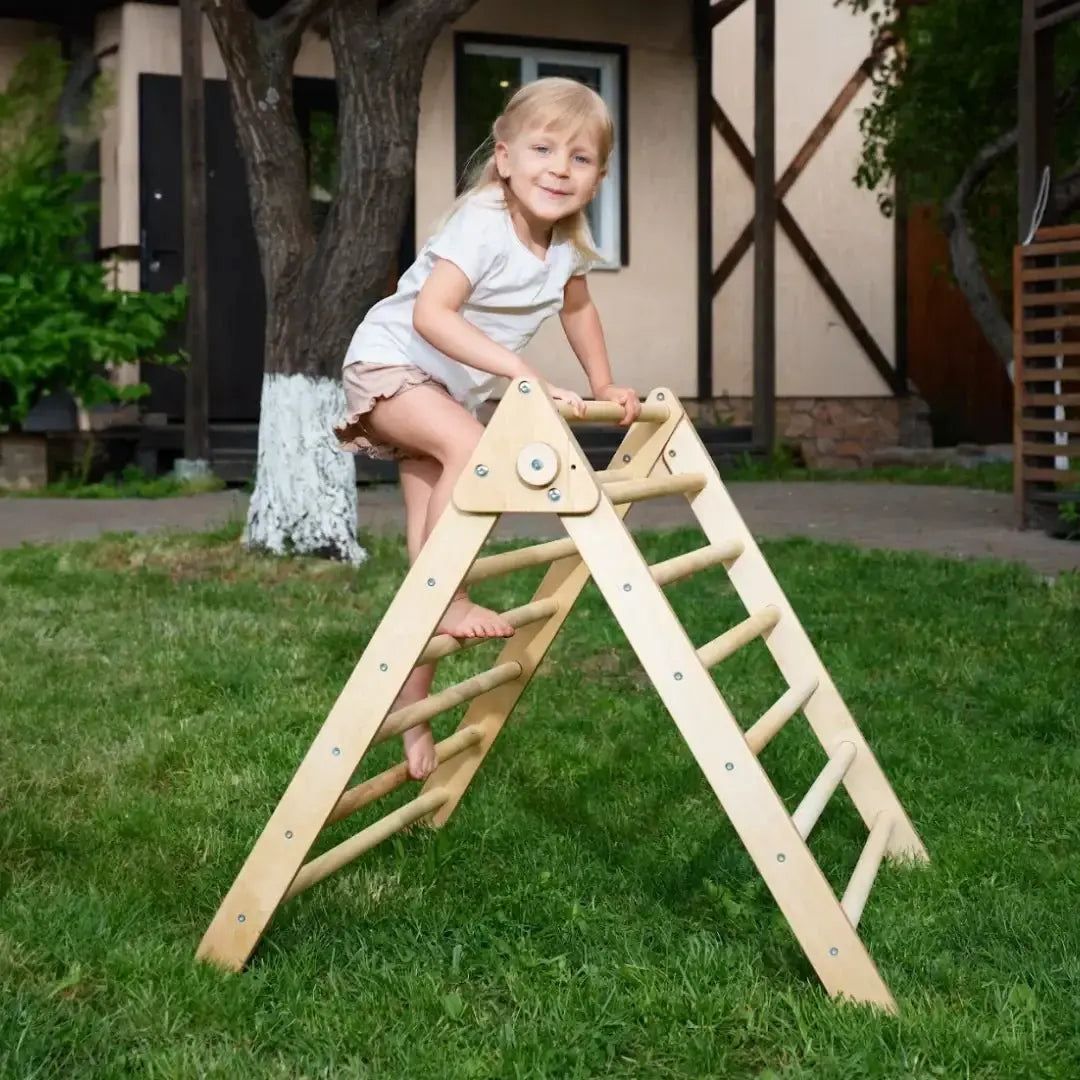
(537, 464)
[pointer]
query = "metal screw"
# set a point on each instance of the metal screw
(626, 457)
(781, 857)
(525, 388)
(537, 464)
(431, 582)
(288, 834)
(336, 751)
(554, 494)
(834, 951)
(730, 766)
(671, 453)
(678, 676)
(384, 667)
(626, 587)
(157, 195)
(241, 917)
(660, 396)
(481, 470)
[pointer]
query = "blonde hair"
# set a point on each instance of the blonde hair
(552, 103)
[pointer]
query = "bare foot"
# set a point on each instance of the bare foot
(420, 751)
(464, 619)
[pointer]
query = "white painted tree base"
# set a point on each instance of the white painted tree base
(304, 501)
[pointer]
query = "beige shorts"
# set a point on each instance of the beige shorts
(364, 385)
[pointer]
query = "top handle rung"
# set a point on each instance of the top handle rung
(610, 412)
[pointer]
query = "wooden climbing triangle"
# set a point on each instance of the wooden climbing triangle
(528, 460)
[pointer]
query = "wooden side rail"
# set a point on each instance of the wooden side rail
(324, 865)
(624, 491)
(821, 790)
(356, 798)
(443, 644)
(772, 721)
(610, 412)
(720, 648)
(420, 711)
(862, 878)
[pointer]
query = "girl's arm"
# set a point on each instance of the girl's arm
(437, 318)
(581, 321)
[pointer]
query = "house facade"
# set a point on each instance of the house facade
(674, 219)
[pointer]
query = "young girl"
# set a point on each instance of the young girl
(514, 251)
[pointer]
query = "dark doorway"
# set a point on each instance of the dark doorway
(236, 303)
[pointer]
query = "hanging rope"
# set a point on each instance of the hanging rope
(1040, 206)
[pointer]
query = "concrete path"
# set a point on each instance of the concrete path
(941, 520)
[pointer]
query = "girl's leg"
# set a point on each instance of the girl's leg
(427, 421)
(418, 478)
(427, 482)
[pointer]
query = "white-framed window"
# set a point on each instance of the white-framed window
(490, 69)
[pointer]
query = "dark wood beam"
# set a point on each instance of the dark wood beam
(1035, 106)
(802, 245)
(193, 156)
(703, 53)
(1051, 13)
(722, 9)
(765, 206)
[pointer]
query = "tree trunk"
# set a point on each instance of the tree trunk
(318, 291)
(964, 256)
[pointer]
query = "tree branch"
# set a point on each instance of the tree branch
(434, 14)
(964, 255)
(290, 22)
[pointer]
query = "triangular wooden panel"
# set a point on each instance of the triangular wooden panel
(527, 452)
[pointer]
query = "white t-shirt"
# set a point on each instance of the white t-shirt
(513, 292)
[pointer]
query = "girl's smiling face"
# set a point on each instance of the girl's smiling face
(551, 173)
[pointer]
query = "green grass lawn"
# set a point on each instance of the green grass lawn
(588, 911)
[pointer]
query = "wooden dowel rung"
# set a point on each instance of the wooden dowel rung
(356, 798)
(443, 644)
(610, 412)
(862, 879)
(605, 476)
(430, 707)
(664, 573)
(720, 648)
(821, 790)
(508, 561)
(761, 733)
(624, 491)
(324, 865)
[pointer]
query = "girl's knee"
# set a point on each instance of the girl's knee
(459, 445)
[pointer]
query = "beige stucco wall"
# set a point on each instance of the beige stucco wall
(15, 35)
(648, 307)
(818, 48)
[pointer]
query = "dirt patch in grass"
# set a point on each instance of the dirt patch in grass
(223, 560)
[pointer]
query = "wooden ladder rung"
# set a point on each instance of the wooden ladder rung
(430, 707)
(664, 573)
(821, 790)
(356, 798)
(862, 878)
(624, 491)
(508, 561)
(720, 648)
(443, 644)
(324, 865)
(611, 412)
(761, 733)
